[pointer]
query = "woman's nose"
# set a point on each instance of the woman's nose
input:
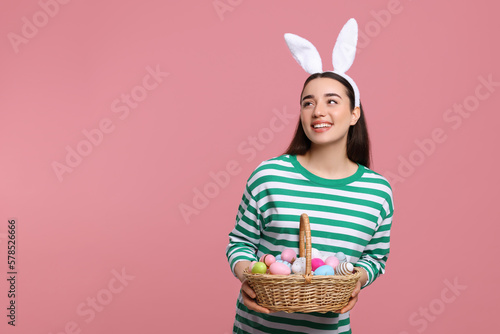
(319, 111)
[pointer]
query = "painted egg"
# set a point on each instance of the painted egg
(288, 255)
(286, 263)
(316, 263)
(259, 268)
(299, 266)
(324, 270)
(341, 256)
(278, 257)
(345, 268)
(332, 261)
(268, 259)
(278, 268)
(251, 265)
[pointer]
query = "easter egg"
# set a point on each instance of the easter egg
(278, 268)
(259, 268)
(278, 257)
(268, 259)
(345, 268)
(288, 255)
(341, 256)
(251, 265)
(324, 270)
(316, 263)
(299, 266)
(286, 263)
(332, 261)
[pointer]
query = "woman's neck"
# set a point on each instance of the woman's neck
(328, 161)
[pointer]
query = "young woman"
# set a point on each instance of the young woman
(324, 173)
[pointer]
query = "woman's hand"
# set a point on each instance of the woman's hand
(354, 296)
(249, 299)
(246, 291)
(353, 300)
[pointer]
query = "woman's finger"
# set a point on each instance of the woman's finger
(356, 290)
(252, 305)
(349, 305)
(249, 291)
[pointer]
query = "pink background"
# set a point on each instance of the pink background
(229, 75)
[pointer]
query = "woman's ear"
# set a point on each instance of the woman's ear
(356, 113)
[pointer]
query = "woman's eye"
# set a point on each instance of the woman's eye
(306, 104)
(332, 102)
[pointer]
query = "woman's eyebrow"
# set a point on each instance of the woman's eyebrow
(326, 95)
(333, 94)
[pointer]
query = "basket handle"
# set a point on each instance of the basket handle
(305, 236)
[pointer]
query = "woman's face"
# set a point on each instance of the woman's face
(325, 111)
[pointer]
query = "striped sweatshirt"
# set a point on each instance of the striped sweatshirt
(351, 215)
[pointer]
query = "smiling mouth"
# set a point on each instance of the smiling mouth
(322, 125)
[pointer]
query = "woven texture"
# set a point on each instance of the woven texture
(303, 293)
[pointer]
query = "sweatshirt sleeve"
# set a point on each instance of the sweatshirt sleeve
(244, 238)
(375, 255)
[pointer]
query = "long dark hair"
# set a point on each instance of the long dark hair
(358, 141)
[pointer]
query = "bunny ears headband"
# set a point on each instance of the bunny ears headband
(344, 51)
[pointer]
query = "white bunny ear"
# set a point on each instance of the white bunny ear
(345, 47)
(304, 53)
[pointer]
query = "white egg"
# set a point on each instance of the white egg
(299, 266)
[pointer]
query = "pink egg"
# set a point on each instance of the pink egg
(288, 255)
(278, 268)
(262, 258)
(316, 263)
(251, 265)
(269, 259)
(332, 261)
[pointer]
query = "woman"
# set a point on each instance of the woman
(324, 173)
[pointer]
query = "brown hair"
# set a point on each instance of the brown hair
(358, 141)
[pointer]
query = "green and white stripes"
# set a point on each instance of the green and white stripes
(352, 215)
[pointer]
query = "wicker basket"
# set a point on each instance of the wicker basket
(303, 293)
